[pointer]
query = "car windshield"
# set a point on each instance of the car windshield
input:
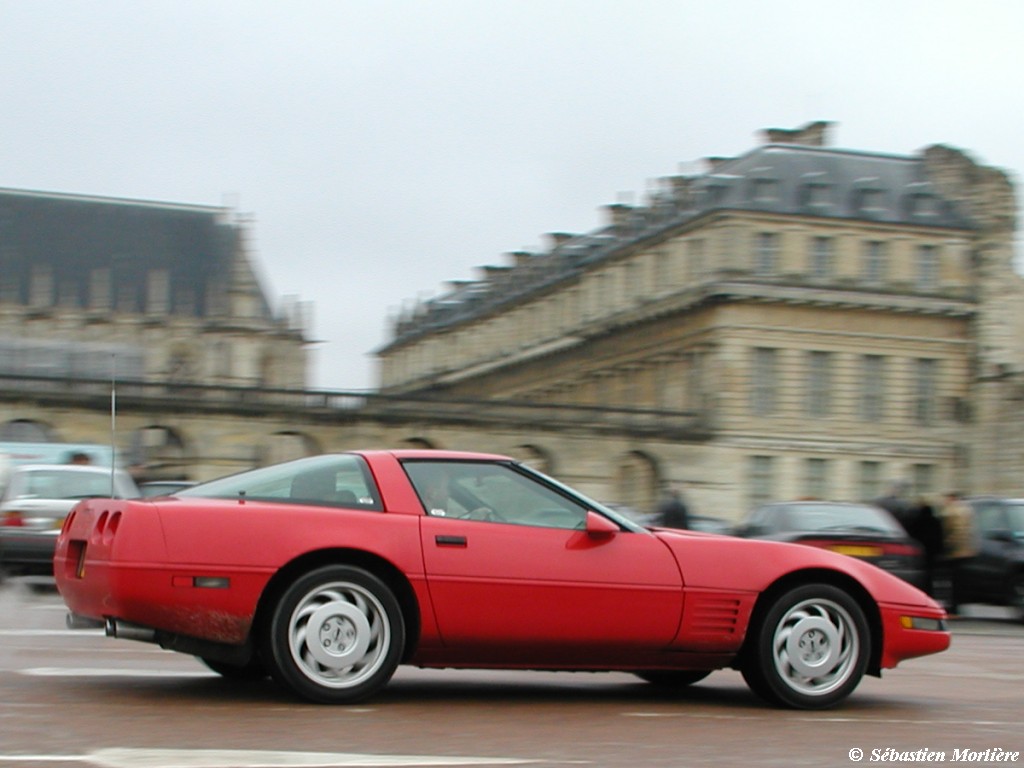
(329, 480)
(833, 517)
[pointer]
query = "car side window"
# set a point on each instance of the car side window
(334, 480)
(990, 518)
(491, 492)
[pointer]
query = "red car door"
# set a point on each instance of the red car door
(509, 565)
(495, 584)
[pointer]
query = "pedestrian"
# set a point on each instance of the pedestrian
(897, 502)
(672, 512)
(927, 531)
(960, 545)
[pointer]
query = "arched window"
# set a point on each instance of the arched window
(285, 446)
(26, 431)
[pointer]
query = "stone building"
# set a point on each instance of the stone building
(834, 320)
(95, 288)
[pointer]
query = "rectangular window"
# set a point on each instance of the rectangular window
(872, 381)
(696, 260)
(819, 384)
(764, 384)
(158, 291)
(41, 294)
(816, 478)
(694, 381)
(869, 480)
(662, 272)
(927, 268)
(822, 260)
(766, 258)
(760, 480)
(925, 391)
(875, 262)
(923, 479)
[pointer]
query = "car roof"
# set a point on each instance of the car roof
(63, 467)
(433, 453)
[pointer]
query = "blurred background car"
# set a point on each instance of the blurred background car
(35, 502)
(995, 575)
(864, 531)
(155, 488)
(705, 523)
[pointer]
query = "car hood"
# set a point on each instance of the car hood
(711, 561)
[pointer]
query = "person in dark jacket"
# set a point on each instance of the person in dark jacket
(926, 530)
(672, 512)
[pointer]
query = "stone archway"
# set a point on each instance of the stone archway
(637, 481)
(26, 431)
(535, 457)
(285, 446)
(418, 442)
(157, 452)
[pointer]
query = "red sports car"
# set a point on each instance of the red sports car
(328, 572)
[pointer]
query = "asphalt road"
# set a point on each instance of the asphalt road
(79, 698)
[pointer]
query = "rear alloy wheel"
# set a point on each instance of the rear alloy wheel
(810, 650)
(336, 635)
(672, 678)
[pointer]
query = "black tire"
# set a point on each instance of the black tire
(672, 678)
(1015, 590)
(335, 636)
(254, 670)
(810, 649)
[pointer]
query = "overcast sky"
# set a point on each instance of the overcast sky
(382, 148)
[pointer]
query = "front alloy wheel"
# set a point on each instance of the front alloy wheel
(336, 635)
(810, 650)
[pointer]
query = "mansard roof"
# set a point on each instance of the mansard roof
(74, 237)
(780, 178)
(834, 183)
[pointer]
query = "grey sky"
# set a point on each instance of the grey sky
(382, 148)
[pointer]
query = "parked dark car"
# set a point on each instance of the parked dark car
(864, 531)
(996, 575)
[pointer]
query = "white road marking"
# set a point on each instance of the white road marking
(50, 632)
(819, 720)
(232, 758)
(113, 672)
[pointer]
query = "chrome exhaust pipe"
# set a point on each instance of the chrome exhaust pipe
(128, 631)
(74, 621)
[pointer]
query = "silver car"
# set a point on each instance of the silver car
(35, 501)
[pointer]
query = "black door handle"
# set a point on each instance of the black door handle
(450, 541)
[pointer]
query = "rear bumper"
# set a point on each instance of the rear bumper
(27, 553)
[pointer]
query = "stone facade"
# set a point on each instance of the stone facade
(834, 320)
(95, 287)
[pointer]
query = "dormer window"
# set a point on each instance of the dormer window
(923, 205)
(765, 190)
(714, 194)
(819, 195)
(871, 201)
